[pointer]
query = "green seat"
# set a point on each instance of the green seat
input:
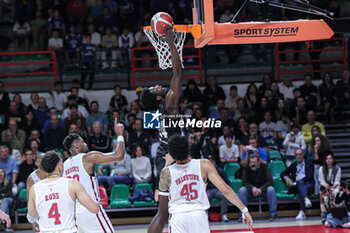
(215, 201)
(276, 167)
(119, 197)
(236, 184)
(23, 196)
(274, 154)
(144, 203)
(281, 189)
(230, 169)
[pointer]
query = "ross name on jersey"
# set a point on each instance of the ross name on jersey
(187, 177)
(52, 196)
(72, 169)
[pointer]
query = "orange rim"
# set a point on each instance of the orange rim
(195, 30)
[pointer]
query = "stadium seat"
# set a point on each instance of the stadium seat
(281, 189)
(276, 167)
(236, 184)
(274, 154)
(143, 203)
(103, 196)
(230, 169)
(215, 201)
(22, 197)
(120, 196)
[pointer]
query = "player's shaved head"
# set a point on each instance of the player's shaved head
(149, 99)
(178, 147)
(49, 161)
(68, 141)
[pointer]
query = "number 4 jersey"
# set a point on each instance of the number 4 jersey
(55, 207)
(187, 190)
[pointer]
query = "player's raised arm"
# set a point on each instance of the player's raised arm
(158, 222)
(214, 177)
(77, 190)
(118, 150)
(171, 99)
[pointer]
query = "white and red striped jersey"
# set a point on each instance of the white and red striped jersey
(187, 190)
(55, 207)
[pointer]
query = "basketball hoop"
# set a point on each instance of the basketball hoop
(162, 48)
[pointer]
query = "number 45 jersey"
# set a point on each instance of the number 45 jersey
(187, 190)
(55, 207)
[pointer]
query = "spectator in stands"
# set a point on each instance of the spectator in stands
(293, 141)
(4, 99)
(95, 36)
(126, 41)
(279, 109)
(8, 164)
(138, 94)
(212, 93)
(259, 112)
(139, 137)
(18, 133)
(73, 101)
(56, 23)
(97, 9)
(25, 169)
(327, 97)
(59, 99)
(35, 146)
(80, 101)
(72, 42)
(88, 53)
(241, 109)
(213, 192)
(229, 152)
(98, 140)
(185, 107)
(286, 88)
(38, 25)
(268, 128)
(329, 176)
(109, 44)
(18, 99)
(306, 129)
(292, 104)
(318, 148)
(343, 92)
(81, 91)
(54, 135)
(309, 92)
(232, 99)
(299, 114)
(131, 118)
(29, 123)
(266, 84)
(141, 166)
(47, 124)
(275, 91)
(257, 182)
(118, 101)
(21, 33)
(192, 93)
(74, 116)
(120, 173)
(299, 178)
(253, 131)
(141, 40)
(34, 134)
(107, 21)
(42, 112)
(283, 126)
(134, 109)
(97, 116)
(14, 113)
(253, 148)
(221, 139)
(6, 196)
(252, 97)
(242, 128)
(55, 42)
(12, 141)
(215, 113)
(34, 98)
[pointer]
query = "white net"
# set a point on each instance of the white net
(162, 48)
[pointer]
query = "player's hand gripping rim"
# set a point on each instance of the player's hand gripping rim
(246, 218)
(169, 35)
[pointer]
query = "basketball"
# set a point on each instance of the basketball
(160, 21)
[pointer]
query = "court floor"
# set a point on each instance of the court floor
(285, 225)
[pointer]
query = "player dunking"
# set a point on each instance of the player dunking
(155, 98)
(182, 190)
(80, 166)
(51, 201)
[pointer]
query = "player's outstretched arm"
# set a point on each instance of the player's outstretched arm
(219, 183)
(172, 98)
(94, 157)
(78, 192)
(158, 222)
